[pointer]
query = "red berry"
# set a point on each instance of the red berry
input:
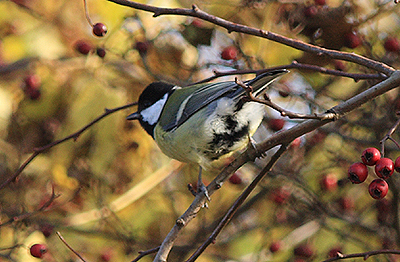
(276, 124)
(329, 182)
(320, 2)
(392, 44)
(296, 143)
(311, 11)
(357, 173)
(370, 156)
(198, 23)
(305, 251)
(34, 94)
(142, 47)
(32, 82)
(47, 229)
(37, 250)
(229, 53)
(32, 85)
(352, 39)
(101, 52)
(275, 246)
(339, 65)
(83, 47)
(378, 188)
(384, 167)
(235, 179)
(397, 164)
(106, 256)
(280, 195)
(99, 29)
(346, 203)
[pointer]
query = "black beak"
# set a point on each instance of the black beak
(134, 116)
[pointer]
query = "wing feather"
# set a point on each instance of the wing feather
(189, 100)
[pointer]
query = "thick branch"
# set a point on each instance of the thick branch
(233, 27)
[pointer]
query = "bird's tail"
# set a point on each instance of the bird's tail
(260, 82)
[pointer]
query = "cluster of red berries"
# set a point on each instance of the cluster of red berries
(384, 167)
(84, 47)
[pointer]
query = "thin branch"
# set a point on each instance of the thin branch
(239, 201)
(43, 207)
(69, 247)
(74, 136)
(233, 27)
(267, 101)
(364, 255)
(388, 136)
(145, 253)
(295, 65)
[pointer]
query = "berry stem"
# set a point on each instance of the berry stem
(87, 13)
(69, 247)
(388, 136)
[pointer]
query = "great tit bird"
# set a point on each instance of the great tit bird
(203, 122)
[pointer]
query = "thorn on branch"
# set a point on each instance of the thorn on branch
(145, 253)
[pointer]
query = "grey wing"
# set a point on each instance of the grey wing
(203, 94)
(200, 98)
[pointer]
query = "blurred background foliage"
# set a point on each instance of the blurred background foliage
(117, 194)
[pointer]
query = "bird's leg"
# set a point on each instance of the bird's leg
(201, 188)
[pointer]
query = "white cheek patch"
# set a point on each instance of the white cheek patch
(152, 113)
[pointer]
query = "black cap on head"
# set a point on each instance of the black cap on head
(150, 95)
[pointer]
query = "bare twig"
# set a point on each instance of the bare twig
(43, 207)
(364, 255)
(74, 136)
(69, 247)
(145, 253)
(87, 13)
(388, 136)
(233, 27)
(296, 65)
(267, 101)
(239, 201)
